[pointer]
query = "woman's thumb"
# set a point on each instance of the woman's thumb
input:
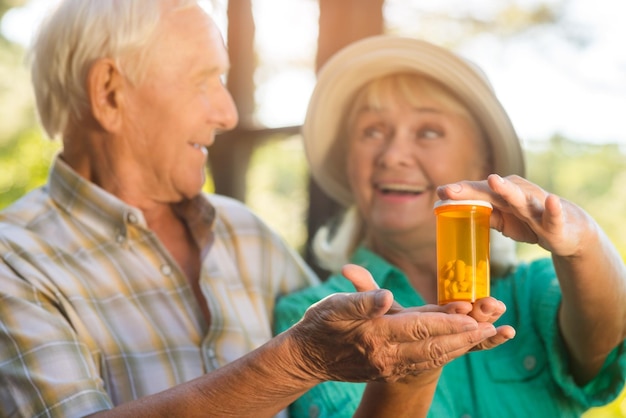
(361, 279)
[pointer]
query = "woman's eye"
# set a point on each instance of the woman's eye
(429, 133)
(373, 132)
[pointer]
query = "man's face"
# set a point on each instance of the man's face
(174, 113)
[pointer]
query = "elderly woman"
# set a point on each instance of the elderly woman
(396, 124)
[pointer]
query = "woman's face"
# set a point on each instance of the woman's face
(400, 152)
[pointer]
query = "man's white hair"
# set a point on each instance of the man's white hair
(75, 35)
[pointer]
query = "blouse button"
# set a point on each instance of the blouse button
(314, 411)
(530, 362)
(166, 269)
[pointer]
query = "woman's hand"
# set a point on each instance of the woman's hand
(525, 212)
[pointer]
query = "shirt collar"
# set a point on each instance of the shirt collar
(388, 276)
(112, 216)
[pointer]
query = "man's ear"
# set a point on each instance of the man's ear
(105, 86)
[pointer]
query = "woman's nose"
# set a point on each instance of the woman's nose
(397, 150)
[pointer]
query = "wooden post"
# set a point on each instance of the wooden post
(230, 155)
(341, 23)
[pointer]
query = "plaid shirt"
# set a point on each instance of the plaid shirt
(95, 312)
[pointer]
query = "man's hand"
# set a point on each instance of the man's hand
(483, 310)
(365, 336)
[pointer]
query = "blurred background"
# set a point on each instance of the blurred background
(558, 66)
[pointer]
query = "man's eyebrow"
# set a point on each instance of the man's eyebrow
(215, 70)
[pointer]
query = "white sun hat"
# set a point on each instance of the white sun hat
(365, 60)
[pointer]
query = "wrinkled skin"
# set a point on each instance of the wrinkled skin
(375, 339)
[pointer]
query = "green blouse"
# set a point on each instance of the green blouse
(527, 376)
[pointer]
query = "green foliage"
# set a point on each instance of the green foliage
(25, 162)
(5, 5)
(589, 175)
(277, 188)
(24, 154)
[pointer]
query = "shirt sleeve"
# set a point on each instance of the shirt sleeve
(45, 369)
(608, 384)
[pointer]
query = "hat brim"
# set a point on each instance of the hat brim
(370, 58)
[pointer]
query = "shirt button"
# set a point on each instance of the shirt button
(120, 238)
(166, 269)
(210, 353)
(530, 362)
(132, 218)
(314, 411)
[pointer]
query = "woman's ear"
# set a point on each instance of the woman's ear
(104, 86)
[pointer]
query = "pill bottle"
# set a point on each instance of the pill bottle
(462, 250)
